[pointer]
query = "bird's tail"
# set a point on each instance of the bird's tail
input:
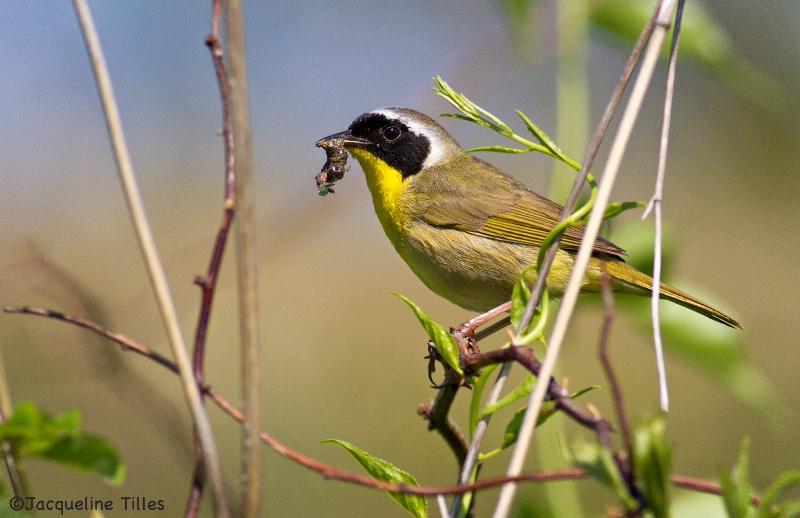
(630, 276)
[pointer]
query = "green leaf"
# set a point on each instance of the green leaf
(382, 470)
(615, 209)
(478, 386)
(473, 113)
(512, 428)
(497, 149)
(785, 481)
(652, 461)
(599, 464)
(788, 509)
(523, 389)
(510, 435)
(547, 142)
(736, 487)
(438, 334)
(35, 433)
(88, 453)
(519, 299)
(69, 422)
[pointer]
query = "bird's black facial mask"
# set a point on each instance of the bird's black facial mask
(392, 141)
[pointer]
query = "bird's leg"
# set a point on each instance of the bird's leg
(465, 336)
(466, 340)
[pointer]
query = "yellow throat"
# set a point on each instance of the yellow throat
(386, 186)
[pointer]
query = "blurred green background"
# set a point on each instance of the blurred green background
(343, 357)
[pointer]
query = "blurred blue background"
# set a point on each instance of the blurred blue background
(342, 357)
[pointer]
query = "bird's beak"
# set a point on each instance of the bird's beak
(345, 140)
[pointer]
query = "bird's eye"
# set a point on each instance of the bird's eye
(391, 133)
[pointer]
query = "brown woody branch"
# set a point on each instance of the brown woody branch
(208, 282)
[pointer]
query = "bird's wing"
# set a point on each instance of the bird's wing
(504, 210)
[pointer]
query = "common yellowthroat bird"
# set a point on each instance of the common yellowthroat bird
(466, 228)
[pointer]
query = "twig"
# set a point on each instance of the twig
(155, 268)
(208, 282)
(586, 165)
(15, 475)
(326, 470)
(704, 486)
(12, 468)
(246, 262)
(123, 341)
(197, 484)
(477, 436)
(656, 205)
(616, 392)
(584, 255)
(437, 414)
(438, 417)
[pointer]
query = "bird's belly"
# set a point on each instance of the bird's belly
(475, 272)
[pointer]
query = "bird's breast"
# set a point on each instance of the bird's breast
(385, 184)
